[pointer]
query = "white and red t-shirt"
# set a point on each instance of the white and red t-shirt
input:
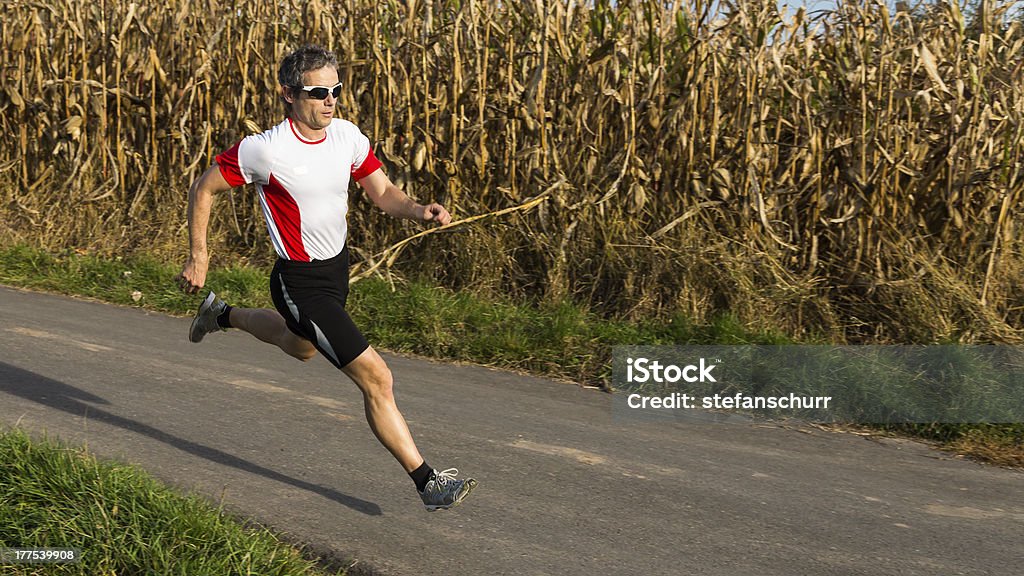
(303, 185)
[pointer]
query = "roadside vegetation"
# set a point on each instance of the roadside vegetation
(123, 521)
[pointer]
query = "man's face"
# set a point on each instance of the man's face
(314, 113)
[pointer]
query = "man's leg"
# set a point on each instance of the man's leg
(269, 326)
(438, 490)
(263, 323)
(373, 377)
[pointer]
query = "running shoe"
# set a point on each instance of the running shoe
(206, 318)
(444, 490)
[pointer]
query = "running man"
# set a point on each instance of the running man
(301, 169)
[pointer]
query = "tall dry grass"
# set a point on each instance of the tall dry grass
(854, 175)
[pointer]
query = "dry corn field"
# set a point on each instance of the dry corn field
(854, 175)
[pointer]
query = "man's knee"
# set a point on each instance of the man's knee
(381, 383)
(296, 346)
(374, 377)
(305, 354)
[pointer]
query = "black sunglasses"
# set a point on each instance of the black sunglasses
(321, 92)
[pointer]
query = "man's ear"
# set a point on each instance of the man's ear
(286, 94)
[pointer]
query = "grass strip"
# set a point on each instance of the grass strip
(122, 520)
(560, 340)
(555, 340)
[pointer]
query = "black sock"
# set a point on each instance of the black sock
(421, 476)
(224, 318)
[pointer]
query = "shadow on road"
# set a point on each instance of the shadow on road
(71, 400)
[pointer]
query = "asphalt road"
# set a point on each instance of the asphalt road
(565, 487)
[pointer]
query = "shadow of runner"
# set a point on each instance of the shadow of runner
(54, 394)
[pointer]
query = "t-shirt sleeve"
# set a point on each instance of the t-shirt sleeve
(246, 162)
(364, 162)
(227, 161)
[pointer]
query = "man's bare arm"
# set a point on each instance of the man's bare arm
(200, 201)
(392, 200)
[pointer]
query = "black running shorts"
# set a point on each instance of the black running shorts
(311, 296)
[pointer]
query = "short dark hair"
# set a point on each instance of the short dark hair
(302, 60)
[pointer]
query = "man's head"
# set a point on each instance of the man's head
(311, 67)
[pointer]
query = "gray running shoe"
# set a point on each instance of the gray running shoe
(206, 319)
(444, 490)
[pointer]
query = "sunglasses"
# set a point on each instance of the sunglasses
(321, 92)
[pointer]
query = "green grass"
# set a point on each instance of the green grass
(117, 280)
(562, 340)
(123, 521)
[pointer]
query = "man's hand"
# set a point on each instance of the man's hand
(193, 274)
(436, 213)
